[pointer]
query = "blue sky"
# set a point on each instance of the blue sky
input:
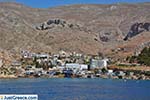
(53, 3)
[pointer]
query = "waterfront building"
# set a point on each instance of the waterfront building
(76, 67)
(73, 66)
(83, 67)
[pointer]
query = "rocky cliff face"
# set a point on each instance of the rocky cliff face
(82, 28)
(54, 23)
(137, 28)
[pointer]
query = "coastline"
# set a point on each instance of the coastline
(8, 77)
(142, 77)
(12, 78)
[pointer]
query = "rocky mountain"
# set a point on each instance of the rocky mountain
(82, 28)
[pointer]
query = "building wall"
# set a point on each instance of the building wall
(1, 63)
(98, 63)
(72, 66)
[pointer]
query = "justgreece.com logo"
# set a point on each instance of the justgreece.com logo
(18, 97)
(1, 98)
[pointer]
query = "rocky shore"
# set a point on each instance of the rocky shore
(110, 73)
(8, 77)
(136, 73)
(131, 76)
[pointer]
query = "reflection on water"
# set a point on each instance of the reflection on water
(78, 89)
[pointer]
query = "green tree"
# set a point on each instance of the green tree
(144, 57)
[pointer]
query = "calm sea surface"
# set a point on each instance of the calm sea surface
(78, 89)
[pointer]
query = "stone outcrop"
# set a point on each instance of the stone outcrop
(136, 29)
(55, 23)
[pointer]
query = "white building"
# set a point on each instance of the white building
(72, 66)
(98, 63)
(76, 67)
(83, 67)
(42, 55)
(1, 62)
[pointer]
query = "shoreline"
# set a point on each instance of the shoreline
(75, 78)
(8, 77)
(102, 77)
(113, 72)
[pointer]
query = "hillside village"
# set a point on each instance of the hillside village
(72, 65)
(32, 64)
(81, 41)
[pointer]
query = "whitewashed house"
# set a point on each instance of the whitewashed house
(98, 63)
(83, 67)
(73, 66)
(42, 56)
(76, 67)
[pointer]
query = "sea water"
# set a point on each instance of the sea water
(78, 89)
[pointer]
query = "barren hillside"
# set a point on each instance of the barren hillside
(83, 28)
